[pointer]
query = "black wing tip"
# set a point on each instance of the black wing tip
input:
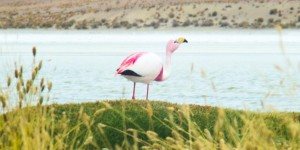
(130, 73)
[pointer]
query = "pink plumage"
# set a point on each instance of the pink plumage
(145, 67)
(128, 61)
(160, 75)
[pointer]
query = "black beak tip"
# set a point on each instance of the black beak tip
(185, 41)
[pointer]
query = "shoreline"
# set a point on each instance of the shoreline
(148, 29)
(215, 27)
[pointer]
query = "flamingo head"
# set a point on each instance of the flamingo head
(174, 44)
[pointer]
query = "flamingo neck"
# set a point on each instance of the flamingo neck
(167, 66)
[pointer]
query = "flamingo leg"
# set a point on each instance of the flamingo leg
(133, 93)
(147, 92)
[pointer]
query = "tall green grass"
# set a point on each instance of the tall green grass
(124, 124)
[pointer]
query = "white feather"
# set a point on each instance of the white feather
(148, 66)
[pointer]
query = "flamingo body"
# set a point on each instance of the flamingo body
(141, 67)
(145, 67)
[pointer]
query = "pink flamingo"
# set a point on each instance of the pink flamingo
(145, 67)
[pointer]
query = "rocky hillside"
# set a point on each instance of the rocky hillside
(91, 14)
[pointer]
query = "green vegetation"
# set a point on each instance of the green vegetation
(134, 124)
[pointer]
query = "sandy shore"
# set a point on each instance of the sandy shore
(91, 14)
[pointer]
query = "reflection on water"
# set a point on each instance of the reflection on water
(239, 66)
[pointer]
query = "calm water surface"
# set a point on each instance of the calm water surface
(239, 65)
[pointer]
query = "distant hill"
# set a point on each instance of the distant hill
(90, 14)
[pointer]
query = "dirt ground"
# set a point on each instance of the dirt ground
(90, 14)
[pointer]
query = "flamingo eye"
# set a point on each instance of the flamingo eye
(175, 41)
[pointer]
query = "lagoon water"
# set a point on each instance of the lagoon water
(227, 68)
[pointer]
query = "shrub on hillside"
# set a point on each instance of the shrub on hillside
(207, 23)
(186, 23)
(244, 24)
(273, 11)
(214, 14)
(171, 15)
(81, 25)
(175, 23)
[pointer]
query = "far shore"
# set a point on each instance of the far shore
(83, 15)
(147, 29)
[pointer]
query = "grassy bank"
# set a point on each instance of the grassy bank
(132, 125)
